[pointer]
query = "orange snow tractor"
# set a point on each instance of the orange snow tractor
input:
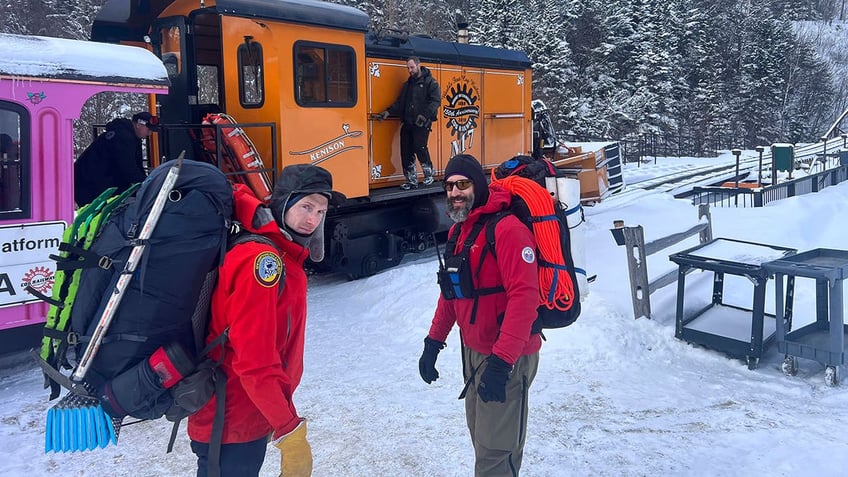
(305, 81)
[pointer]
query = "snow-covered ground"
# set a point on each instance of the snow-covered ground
(614, 396)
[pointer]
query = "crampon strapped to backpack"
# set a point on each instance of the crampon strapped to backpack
(128, 315)
(525, 178)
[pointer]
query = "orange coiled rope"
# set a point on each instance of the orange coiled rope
(556, 290)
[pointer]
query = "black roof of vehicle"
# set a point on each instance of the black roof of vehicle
(429, 50)
(129, 20)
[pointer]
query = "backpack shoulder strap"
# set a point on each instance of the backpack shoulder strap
(486, 221)
(490, 229)
(450, 245)
(475, 231)
(453, 237)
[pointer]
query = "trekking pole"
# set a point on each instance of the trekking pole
(129, 269)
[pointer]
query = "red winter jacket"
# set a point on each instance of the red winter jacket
(510, 269)
(263, 357)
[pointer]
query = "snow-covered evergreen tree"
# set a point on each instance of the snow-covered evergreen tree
(712, 73)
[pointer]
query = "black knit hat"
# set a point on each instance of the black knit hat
(468, 166)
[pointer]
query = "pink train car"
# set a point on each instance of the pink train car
(44, 83)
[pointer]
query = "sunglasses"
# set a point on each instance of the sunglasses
(461, 184)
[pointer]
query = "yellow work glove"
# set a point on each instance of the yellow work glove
(295, 453)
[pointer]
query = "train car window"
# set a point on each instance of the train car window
(207, 84)
(325, 75)
(14, 161)
(171, 50)
(251, 76)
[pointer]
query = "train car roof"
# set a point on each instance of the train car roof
(29, 56)
(129, 20)
(401, 47)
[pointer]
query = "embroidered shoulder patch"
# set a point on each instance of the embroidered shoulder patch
(267, 269)
(528, 255)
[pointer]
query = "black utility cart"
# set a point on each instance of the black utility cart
(736, 331)
(824, 339)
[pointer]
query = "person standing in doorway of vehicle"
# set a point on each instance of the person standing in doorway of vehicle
(114, 159)
(260, 301)
(500, 356)
(417, 107)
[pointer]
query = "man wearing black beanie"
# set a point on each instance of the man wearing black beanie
(492, 295)
(466, 165)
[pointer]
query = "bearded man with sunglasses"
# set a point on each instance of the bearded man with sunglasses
(495, 313)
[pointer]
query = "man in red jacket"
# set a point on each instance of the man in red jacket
(494, 304)
(263, 357)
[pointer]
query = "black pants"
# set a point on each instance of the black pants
(237, 460)
(413, 142)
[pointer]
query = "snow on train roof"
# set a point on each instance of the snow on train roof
(57, 58)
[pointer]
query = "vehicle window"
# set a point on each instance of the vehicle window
(251, 76)
(207, 84)
(14, 161)
(171, 50)
(325, 75)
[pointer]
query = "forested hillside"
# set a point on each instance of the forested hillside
(709, 73)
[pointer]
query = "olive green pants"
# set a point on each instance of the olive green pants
(498, 429)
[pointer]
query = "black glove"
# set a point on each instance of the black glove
(383, 115)
(492, 385)
(427, 363)
(193, 392)
(421, 121)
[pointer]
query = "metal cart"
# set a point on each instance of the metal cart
(738, 332)
(824, 339)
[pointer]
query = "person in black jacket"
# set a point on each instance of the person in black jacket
(417, 106)
(114, 159)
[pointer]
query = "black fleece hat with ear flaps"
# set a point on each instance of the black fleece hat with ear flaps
(302, 180)
(468, 166)
(295, 182)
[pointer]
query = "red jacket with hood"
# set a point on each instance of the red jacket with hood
(263, 357)
(515, 269)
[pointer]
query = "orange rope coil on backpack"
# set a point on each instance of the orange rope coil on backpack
(556, 290)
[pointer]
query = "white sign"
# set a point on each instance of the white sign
(24, 260)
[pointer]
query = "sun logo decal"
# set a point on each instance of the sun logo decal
(463, 106)
(40, 279)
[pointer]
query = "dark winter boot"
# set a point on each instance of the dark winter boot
(428, 174)
(411, 180)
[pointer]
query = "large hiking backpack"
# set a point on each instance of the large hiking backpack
(546, 218)
(151, 358)
(150, 342)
